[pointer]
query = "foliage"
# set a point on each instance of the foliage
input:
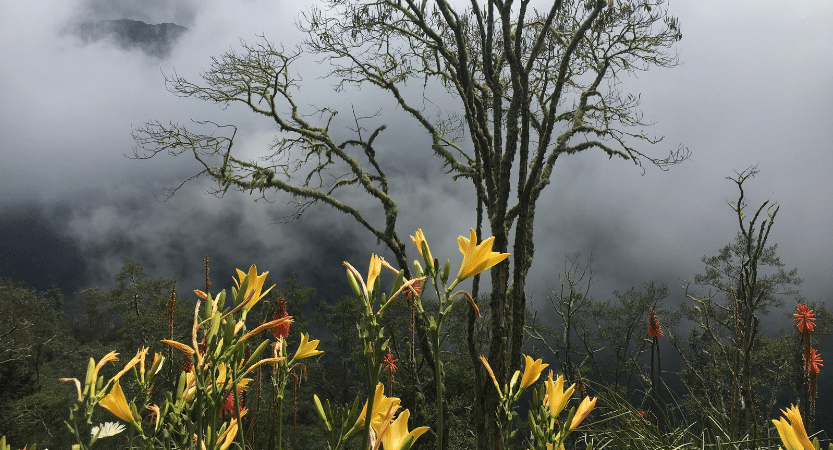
(35, 345)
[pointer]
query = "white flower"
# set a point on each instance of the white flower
(107, 429)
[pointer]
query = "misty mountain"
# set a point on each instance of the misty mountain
(153, 39)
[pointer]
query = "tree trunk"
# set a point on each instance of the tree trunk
(497, 346)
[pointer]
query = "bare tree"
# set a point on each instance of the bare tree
(569, 302)
(727, 318)
(529, 87)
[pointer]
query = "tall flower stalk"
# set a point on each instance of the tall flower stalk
(654, 333)
(806, 323)
(476, 259)
(371, 333)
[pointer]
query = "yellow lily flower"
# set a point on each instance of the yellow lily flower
(787, 434)
(556, 397)
(418, 240)
(395, 434)
(161, 359)
(110, 357)
(373, 271)
(140, 357)
(477, 258)
(380, 408)
(793, 434)
(584, 409)
(190, 385)
(222, 370)
(532, 370)
(254, 287)
(227, 436)
(116, 403)
(306, 349)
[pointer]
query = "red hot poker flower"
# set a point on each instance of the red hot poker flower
(805, 319)
(228, 403)
(281, 330)
(186, 364)
(815, 361)
(412, 292)
(654, 329)
(390, 363)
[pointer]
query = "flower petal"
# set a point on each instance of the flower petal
(116, 403)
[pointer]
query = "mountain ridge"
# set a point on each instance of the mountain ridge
(154, 39)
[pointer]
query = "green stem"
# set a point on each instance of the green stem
(280, 420)
(237, 413)
(367, 415)
(438, 373)
(199, 423)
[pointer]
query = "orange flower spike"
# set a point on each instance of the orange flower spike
(281, 331)
(805, 319)
(390, 362)
(413, 292)
(654, 330)
(815, 361)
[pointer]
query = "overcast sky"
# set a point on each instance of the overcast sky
(754, 87)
